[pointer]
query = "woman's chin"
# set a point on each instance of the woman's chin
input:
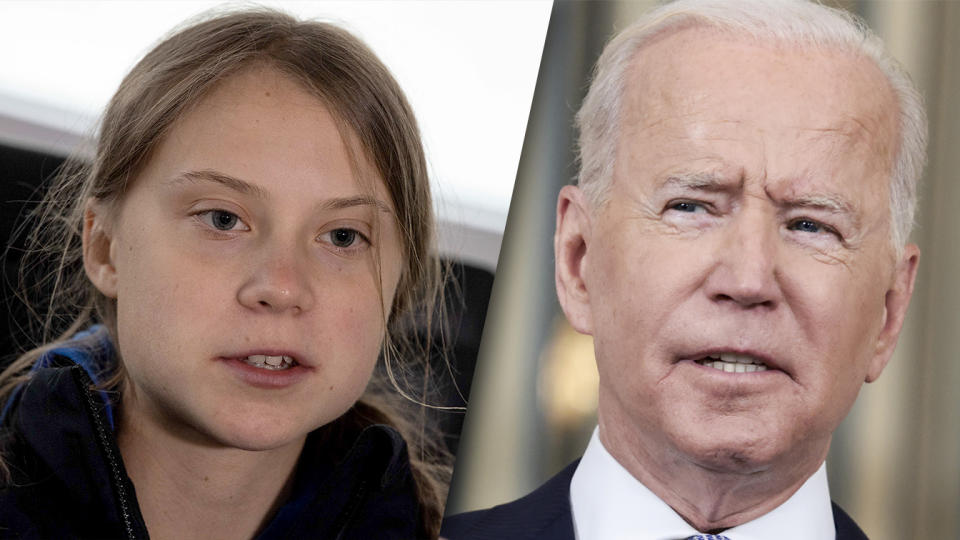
(263, 442)
(259, 434)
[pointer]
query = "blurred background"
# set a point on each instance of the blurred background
(61, 61)
(468, 69)
(895, 461)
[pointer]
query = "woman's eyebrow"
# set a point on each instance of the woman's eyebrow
(210, 175)
(339, 203)
(242, 186)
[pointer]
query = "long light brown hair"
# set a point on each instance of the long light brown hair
(370, 109)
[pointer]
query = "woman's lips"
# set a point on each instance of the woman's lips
(257, 372)
(270, 362)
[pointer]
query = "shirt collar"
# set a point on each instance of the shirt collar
(609, 503)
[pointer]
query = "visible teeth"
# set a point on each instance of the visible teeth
(739, 358)
(734, 363)
(269, 362)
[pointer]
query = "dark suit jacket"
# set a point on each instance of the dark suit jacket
(545, 514)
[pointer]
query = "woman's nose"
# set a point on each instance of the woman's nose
(277, 283)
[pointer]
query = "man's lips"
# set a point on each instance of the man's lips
(733, 363)
(734, 360)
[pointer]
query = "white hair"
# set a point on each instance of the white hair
(791, 21)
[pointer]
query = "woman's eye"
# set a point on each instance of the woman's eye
(223, 220)
(345, 238)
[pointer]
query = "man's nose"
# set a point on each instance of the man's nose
(277, 281)
(747, 269)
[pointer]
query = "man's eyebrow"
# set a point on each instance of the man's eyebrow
(821, 201)
(701, 181)
(210, 175)
(715, 182)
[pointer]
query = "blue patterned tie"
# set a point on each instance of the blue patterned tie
(708, 537)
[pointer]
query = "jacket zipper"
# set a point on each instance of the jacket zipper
(116, 475)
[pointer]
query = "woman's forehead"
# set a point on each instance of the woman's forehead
(264, 128)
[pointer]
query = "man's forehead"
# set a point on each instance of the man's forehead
(703, 82)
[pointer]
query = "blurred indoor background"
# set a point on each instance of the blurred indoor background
(895, 461)
(62, 60)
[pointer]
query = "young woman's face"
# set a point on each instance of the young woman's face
(250, 306)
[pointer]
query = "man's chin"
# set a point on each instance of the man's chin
(731, 460)
(745, 444)
(732, 453)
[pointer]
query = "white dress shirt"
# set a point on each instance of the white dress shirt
(608, 503)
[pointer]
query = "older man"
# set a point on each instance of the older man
(737, 246)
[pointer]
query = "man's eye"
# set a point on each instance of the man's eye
(222, 220)
(687, 206)
(808, 226)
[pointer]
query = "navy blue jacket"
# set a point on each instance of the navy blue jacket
(545, 514)
(69, 479)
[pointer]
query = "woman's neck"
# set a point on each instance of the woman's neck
(189, 488)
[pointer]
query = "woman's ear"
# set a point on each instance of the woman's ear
(98, 248)
(570, 249)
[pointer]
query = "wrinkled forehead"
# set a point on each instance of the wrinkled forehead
(719, 80)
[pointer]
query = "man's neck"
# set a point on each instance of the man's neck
(708, 499)
(190, 490)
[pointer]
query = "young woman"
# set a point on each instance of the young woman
(252, 236)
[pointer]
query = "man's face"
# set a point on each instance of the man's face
(737, 280)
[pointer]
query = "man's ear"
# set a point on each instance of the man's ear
(97, 248)
(570, 248)
(895, 309)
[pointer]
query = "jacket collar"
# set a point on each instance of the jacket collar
(64, 430)
(92, 350)
(367, 490)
